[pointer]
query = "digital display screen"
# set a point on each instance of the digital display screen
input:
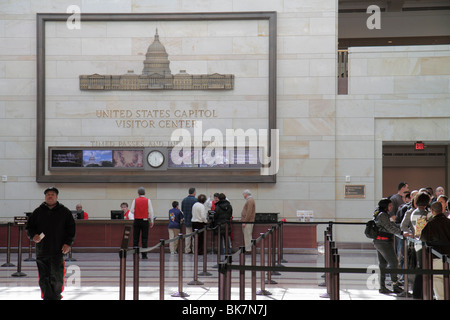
(212, 158)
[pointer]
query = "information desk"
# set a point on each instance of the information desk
(107, 233)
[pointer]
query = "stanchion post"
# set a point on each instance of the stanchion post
(269, 263)
(226, 244)
(269, 257)
(19, 272)
(123, 263)
(430, 277)
(282, 260)
(425, 276)
(330, 228)
(136, 274)
(161, 268)
(219, 227)
(205, 256)
(331, 252)
(263, 291)
(278, 244)
(253, 271)
(180, 292)
(8, 247)
(30, 252)
(326, 264)
(405, 266)
(195, 281)
(242, 274)
(274, 249)
(445, 263)
(222, 280)
(229, 261)
(335, 276)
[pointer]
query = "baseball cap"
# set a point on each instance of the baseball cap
(51, 189)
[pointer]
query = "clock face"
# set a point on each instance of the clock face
(155, 158)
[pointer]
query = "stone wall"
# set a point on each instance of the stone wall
(395, 94)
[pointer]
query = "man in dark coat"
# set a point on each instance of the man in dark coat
(52, 227)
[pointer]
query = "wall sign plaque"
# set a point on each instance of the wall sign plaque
(355, 191)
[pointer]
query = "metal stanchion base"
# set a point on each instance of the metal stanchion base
(322, 284)
(195, 283)
(205, 274)
(30, 259)
(19, 274)
(324, 295)
(275, 273)
(179, 294)
(8, 264)
(263, 293)
(271, 282)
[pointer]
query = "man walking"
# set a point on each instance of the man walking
(52, 227)
(142, 210)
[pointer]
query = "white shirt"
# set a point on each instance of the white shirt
(199, 213)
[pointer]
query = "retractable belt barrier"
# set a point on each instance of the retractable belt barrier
(161, 245)
(270, 246)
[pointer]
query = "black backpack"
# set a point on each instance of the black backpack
(371, 230)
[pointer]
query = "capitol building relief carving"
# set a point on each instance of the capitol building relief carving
(156, 75)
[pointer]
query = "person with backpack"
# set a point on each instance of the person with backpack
(384, 244)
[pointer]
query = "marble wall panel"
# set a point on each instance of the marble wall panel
(309, 126)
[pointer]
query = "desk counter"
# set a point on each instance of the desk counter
(107, 233)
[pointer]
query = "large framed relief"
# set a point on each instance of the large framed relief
(187, 97)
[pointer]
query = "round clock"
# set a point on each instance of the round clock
(155, 158)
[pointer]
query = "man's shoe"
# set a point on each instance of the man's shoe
(397, 289)
(384, 290)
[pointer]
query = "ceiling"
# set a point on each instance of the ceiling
(403, 22)
(393, 5)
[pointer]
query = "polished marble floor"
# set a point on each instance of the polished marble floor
(95, 276)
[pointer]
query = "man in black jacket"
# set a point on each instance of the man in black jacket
(52, 227)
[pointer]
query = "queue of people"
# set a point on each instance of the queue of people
(198, 211)
(194, 212)
(419, 214)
